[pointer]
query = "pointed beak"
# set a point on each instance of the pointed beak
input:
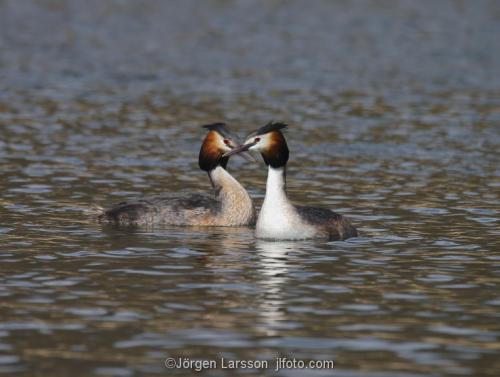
(241, 149)
(247, 156)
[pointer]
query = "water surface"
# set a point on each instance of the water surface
(394, 113)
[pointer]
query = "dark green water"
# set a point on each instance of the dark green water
(394, 113)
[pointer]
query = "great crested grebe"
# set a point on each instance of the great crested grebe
(279, 219)
(229, 205)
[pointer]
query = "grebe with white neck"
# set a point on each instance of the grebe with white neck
(228, 205)
(279, 219)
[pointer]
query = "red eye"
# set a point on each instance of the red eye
(226, 141)
(257, 139)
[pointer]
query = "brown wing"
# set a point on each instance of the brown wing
(165, 209)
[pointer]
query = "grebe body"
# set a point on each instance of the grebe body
(228, 205)
(279, 218)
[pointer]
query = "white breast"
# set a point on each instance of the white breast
(278, 218)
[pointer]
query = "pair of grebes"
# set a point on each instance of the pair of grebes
(230, 204)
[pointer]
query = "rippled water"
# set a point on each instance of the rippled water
(394, 113)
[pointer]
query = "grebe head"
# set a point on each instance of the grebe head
(269, 141)
(218, 142)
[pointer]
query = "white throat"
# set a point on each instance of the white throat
(276, 185)
(278, 218)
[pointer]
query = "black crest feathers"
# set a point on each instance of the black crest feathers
(270, 127)
(219, 127)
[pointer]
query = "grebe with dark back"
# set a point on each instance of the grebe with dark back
(279, 219)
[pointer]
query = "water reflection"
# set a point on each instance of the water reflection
(273, 259)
